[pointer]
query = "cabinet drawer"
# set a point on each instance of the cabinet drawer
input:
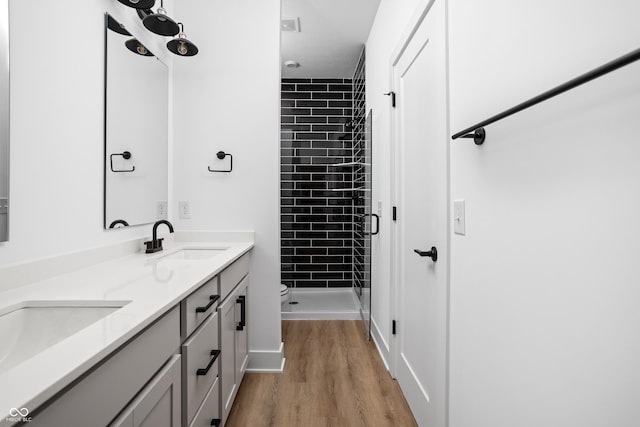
(200, 366)
(97, 398)
(210, 409)
(232, 275)
(197, 306)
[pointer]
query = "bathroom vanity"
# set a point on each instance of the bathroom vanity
(132, 339)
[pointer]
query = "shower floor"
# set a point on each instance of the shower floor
(321, 304)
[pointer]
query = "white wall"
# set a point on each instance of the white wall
(544, 286)
(227, 98)
(544, 295)
(391, 21)
(57, 84)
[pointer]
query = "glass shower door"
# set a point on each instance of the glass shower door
(372, 225)
(367, 224)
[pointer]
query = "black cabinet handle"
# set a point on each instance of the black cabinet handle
(212, 300)
(377, 224)
(433, 253)
(216, 422)
(242, 301)
(204, 371)
(125, 155)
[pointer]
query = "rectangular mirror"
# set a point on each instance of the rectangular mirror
(4, 120)
(136, 131)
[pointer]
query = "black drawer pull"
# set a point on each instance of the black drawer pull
(216, 422)
(242, 301)
(205, 371)
(212, 300)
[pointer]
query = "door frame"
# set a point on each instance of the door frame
(416, 20)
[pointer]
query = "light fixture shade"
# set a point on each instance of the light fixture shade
(138, 48)
(160, 23)
(181, 46)
(138, 4)
(114, 25)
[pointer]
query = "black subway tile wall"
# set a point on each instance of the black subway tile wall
(316, 216)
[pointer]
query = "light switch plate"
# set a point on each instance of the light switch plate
(458, 217)
(379, 207)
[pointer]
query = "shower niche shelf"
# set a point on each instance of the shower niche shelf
(350, 189)
(342, 165)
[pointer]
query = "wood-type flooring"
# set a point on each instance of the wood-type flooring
(333, 377)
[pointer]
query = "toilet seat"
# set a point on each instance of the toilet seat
(284, 293)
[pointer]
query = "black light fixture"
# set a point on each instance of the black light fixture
(160, 23)
(138, 4)
(136, 47)
(181, 46)
(114, 25)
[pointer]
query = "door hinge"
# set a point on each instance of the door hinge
(393, 98)
(394, 214)
(393, 327)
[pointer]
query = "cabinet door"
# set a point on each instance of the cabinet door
(158, 404)
(227, 312)
(242, 337)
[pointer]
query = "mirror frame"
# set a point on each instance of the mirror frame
(4, 121)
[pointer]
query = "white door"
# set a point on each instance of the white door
(421, 194)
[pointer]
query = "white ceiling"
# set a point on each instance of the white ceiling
(332, 34)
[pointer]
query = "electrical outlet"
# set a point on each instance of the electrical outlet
(184, 210)
(161, 209)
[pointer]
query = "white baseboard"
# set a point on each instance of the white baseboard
(381, 344)
(267, 361)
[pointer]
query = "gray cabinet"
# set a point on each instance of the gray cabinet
(242, 336)
(158, 404)
(233, 343)
(146, 383)
(101, 394)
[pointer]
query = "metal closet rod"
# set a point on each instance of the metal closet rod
(477, 132)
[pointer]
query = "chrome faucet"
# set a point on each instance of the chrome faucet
(155, 244)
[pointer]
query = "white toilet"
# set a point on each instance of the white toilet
(284, 293)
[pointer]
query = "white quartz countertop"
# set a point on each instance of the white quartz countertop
(149, 285)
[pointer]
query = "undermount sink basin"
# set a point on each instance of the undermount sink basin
(194, 254)
(34, 326)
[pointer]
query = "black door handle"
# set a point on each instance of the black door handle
(377, 224)
(242, 301)
(433, 253)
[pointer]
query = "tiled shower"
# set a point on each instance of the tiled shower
(316, 211)
(324, 206)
